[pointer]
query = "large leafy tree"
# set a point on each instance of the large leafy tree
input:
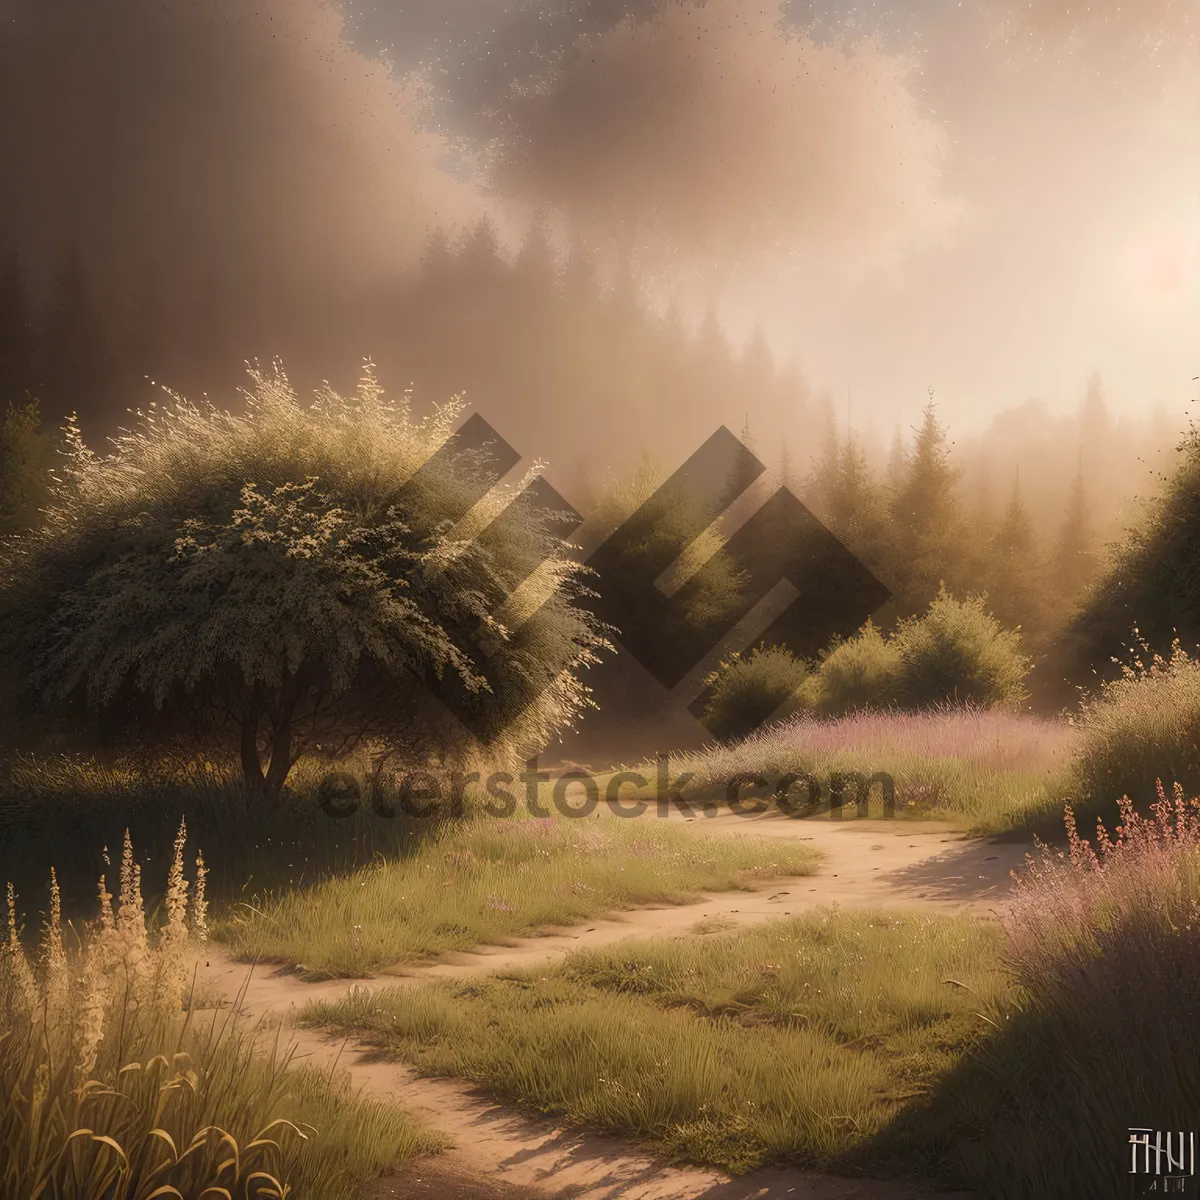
(296, 578)
(1149, 592)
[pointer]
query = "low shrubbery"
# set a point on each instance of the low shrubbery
(1139, 728)
(863, 672)
(752, 688)
(956, 653)
(112, 1087)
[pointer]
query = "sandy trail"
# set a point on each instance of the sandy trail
(501, 1152)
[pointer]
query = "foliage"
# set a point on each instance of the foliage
(956, 653)
(1153, 580)
(674, 531)
(751, 688)
(113, 1089)
(1140, 728)
(862, 672)
(284, 580)
(928, 537)
(1015, 574)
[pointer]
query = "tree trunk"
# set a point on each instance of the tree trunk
(268, 785)
(251, 766)
(281, 758)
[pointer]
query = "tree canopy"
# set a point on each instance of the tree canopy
(296, 577)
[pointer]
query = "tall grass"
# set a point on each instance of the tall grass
(987, 770)
(793, 1039)
(1140, 728)
(113, 1090)
(1103, 941)
(487, 880)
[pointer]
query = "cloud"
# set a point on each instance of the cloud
(710, 130)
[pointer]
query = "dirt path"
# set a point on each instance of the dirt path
(501, 1152)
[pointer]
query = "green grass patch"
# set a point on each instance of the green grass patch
(487, 881)
(796, 1039)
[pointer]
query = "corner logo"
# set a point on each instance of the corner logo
(782, 542)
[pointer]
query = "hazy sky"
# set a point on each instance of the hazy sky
(994, 200)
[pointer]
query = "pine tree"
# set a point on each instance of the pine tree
(928, 543)
(823, 480)
(1014, 576)
(26, 460)
(536, 264)
(896, 460)
(786, 471)
(855, 508)
(1074, 565)
(437, 259)
(76, 364)
(16, 333)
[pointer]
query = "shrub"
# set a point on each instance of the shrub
(1139, 728)
(957, 653)
(750, 689)
(286, 580)
(863, 672)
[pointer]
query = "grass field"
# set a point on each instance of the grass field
(987, 771)
(795, 1039)
(486, 881)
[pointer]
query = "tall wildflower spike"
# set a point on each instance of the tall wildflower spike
(22, 975)
(172, 967)
(177, 886)
(126, 895)
(53, 954)
(200, 901)
(107, 919)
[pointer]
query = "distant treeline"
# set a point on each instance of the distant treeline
(581, 370)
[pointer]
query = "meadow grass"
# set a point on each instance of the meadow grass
(987, 771)
(114, 1088)
(1012, 1057)
(1102, 941)
(795, 1039)
(62, 810)
(485, 881)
